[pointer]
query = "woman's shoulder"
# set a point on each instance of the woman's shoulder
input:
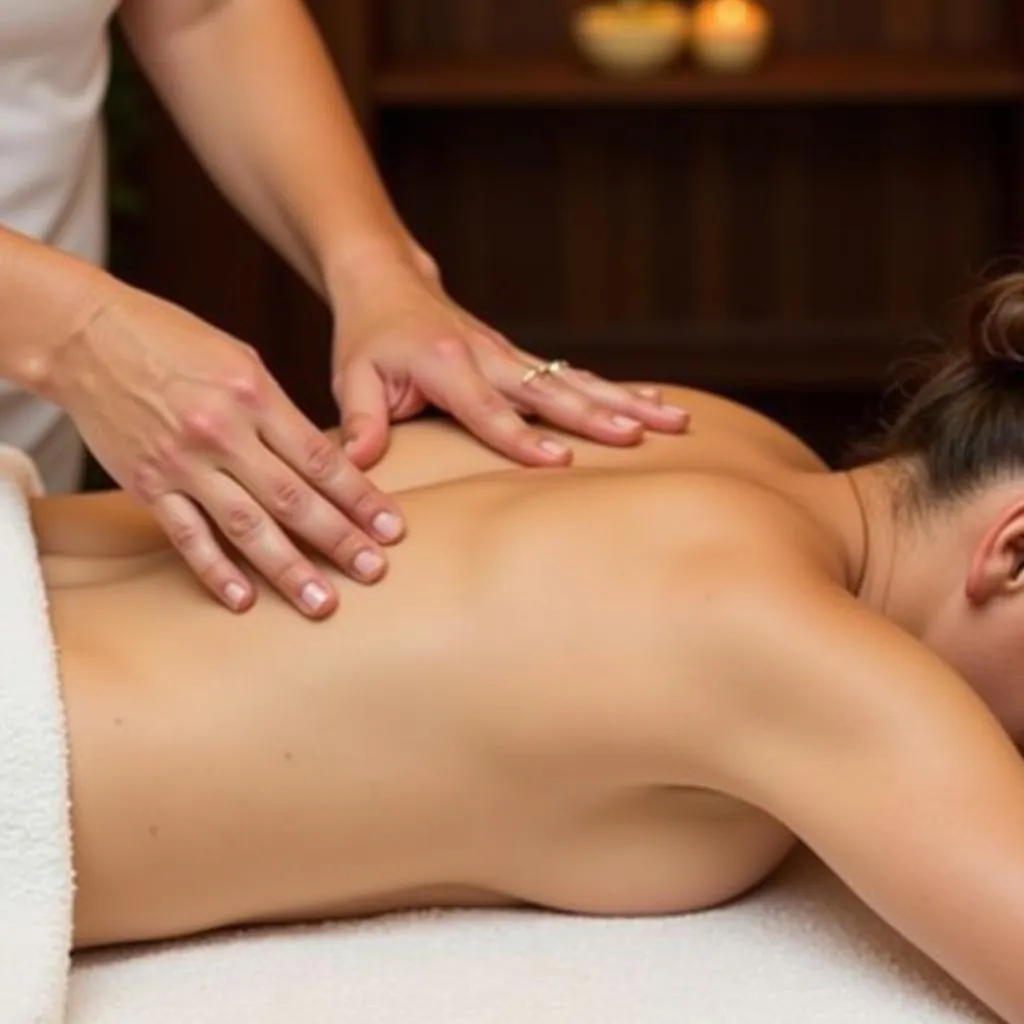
(806, 660)
(773, 652)
(734, 525)
(742, 424)
(725, 436)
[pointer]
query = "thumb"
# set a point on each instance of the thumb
(364, 413)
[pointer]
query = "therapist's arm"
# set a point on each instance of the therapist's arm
(47, 298)
(251, 86)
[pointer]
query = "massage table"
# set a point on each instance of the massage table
(799, 949)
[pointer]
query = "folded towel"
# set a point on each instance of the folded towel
(35, 844)
(801, 950)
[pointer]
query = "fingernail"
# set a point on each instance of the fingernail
(387, 526)
(553, 447)
(314, 596)
(675, 412)
(235, 595)
(650, 393)
(368, 564)
(625, 423)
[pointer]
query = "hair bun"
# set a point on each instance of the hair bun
(995, 326)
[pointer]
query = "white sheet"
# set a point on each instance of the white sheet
(799, 951)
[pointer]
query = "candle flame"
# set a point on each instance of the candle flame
(733, 13)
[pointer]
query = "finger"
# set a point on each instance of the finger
(189, 532)
(642, 404)
(364, 413)
(456, 385)
(548, 396)
(307, 515)
(319, 462)
(252, 531)
(676, 418)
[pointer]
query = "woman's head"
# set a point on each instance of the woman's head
(962, 426)
(956, 456)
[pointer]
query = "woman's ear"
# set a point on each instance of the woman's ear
(997, 567)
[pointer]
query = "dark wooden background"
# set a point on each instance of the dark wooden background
(414, 28)
(781, 251)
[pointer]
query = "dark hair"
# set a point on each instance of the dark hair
(962, 425)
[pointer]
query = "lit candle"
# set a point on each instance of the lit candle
(632, 36)
(730, 35)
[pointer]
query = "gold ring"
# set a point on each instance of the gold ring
(548, 369)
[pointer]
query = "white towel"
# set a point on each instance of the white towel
(801, 950)
(35, 844)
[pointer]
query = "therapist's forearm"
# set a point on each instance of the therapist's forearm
(251, 86)
(47, 300)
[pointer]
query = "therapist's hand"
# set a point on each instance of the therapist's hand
(187, 419)
(402, 344)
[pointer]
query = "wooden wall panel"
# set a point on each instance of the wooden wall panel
(684, 217)
(453, 28)
(676, 242)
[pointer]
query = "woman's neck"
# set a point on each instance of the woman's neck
(897, 565)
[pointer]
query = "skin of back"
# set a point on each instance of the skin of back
(623, 688)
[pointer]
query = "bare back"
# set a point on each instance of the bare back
(476, 729)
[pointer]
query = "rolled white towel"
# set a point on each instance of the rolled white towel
(35, 843)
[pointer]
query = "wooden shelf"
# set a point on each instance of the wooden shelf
(872, 78)
(842, 354)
